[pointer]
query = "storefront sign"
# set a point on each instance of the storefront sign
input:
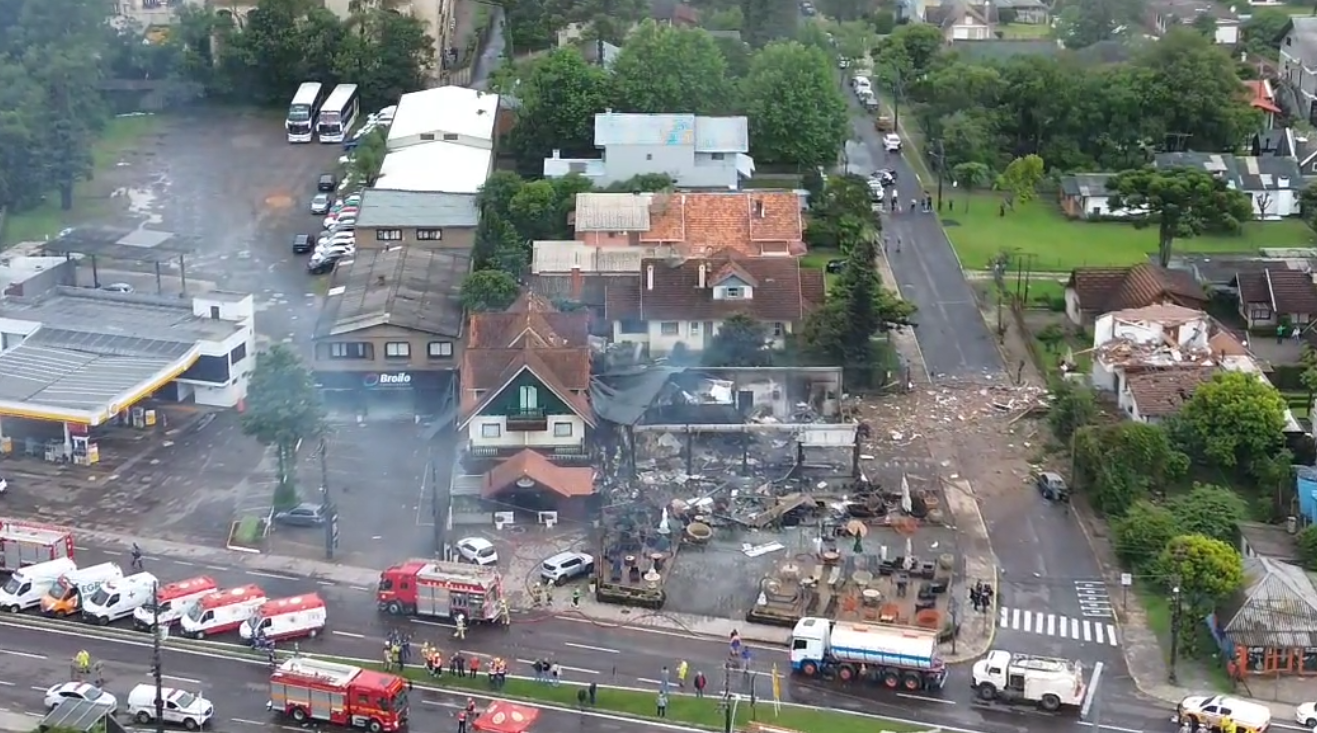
(387, 379)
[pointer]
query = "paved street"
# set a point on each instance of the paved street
(955, 342)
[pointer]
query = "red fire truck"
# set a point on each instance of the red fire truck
(312, 689)
(446, 589)
(28, 543)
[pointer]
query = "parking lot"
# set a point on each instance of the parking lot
(229, 184)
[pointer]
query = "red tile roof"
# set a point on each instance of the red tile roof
(1161, 392)
(783, 291)
(566, 481)
(1260, 95)
(1107, 289)
(1288, 292)
(751, 222)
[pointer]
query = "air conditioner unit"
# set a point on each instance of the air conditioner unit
(503, 519)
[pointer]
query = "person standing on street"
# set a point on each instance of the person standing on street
(576, 598)
(461, 721)
(555, 673)
(682, 669)
(662, 704)
(473, 669)
(700, 683)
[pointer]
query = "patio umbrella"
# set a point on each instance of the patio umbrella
(506, 717)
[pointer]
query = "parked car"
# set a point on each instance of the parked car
(834, 267)
(320, 203)
(1052, 486)
(327, 183)
(117, 288)
(477, 550)
(321, 266)
(1306, 714)
(892, 142)
(566, 565)
(80, 691)
(302, 515)
(303, 243)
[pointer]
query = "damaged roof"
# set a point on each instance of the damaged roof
(566, 481)
(781, 290)
(1285, 291)
(1106, 289)
(1161, 392)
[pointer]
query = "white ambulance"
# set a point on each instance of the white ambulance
(26, 586)
(173, 601)
(287, 618)
(119, 598)
(222, 611)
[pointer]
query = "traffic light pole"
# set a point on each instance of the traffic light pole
(155, 659)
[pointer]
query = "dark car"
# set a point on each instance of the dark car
(302, 515)
(321, 265)
(834, 267)
(1052, 486)
(303, 243)
(328, 182)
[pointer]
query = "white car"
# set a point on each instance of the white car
(477, 550)
(80, 691)
(335, 252)
(333, 218)
(566, 565)
(1306, 714)
(320, 203)
(181, 707)
(4, 484)
(892, 142)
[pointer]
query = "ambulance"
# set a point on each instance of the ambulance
(222, 611)
(287, 618)
(26, 587)
(174, 601)
(118, 598)
(65, 597)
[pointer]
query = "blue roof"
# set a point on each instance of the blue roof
(706, 134)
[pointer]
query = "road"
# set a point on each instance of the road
(31, 660)
(955, 342)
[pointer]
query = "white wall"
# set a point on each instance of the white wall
(1279, 204)
(661, 343)
(230, 309)
(1227, 34)
(525, 439)
(1072, 309)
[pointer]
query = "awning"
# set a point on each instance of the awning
(745, 165)
(506, 717)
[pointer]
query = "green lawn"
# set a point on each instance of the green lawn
(687, 709)
(817, 259)
(1060, 245)
(120, 134)
(1025, 31)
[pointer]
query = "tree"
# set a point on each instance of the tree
(369, 156)
(971, 176)
(1082, 23)
(535, 211)
(1307, 541)
(741, 341)
(668, 69)
(910, 50)
(1120, 465)
(766, 21)
(1308, 205)
(843, 205)
(1211, 511)
(1232, 420)
(844, 10)
(1207, 570)
(643, 183)
(559, 100)
(852, 39)
(1205, 24)
(488, 290)
(1073, 407)
(1140, 536)
(606, 19)
(1308, 377)
(384, 52)
(1182, 202)
(499, 247)
(282, 409)
(797, 113)
(1261, 32)
(1020, 179)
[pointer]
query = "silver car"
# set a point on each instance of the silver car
(320, 204)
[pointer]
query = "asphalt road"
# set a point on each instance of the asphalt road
(955, 342)
(31, 660)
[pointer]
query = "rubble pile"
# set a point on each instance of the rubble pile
(900, 420)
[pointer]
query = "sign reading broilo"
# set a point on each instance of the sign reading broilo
(387, 379)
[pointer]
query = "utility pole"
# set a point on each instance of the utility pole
(939, 156)
(327, 503)
(1175, 631)
(155, 659)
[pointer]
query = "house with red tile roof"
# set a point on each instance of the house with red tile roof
(752, 223)
(524, 407)
(1262, 97)
(679, 304)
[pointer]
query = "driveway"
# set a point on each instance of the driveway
(955, 342)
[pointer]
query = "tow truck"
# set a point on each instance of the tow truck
(1047, 682)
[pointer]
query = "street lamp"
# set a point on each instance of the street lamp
(1175, 632)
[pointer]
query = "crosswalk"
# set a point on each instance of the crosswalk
(1061, 627)
(1093, 599)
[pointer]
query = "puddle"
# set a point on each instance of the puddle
(141, 203)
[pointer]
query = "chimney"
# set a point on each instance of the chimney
(704, 276)
(759, 208)
(578, 283)
(557, 154)
(649, 277)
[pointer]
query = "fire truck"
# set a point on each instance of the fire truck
(446, 589)
(315, 690)
(27, 543)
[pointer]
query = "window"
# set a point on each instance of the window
(429, 235)
(427, 136)
(351, 350)
(717, 156)
(778, 329)
(562, 430)
(440, 349)
(388, 235)
(214, 313)
(695, 328)
(491, 430)
(397, 350)
(529, 398)
(450, 136)
(649, 156)
(633, 326)
(238, 354)
(668, 328)
(733, 293)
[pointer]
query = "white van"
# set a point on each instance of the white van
(287, 618)
(66, 595)
(181, 707)
(173, 601)
(26, 586)
(222, 611)
(119, 598)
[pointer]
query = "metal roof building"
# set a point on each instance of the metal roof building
(438, 167)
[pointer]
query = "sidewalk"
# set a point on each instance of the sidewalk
(904, 340)
(11, 722)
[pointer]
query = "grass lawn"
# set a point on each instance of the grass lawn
(120, 134)
(1060, 245)
(1157, 604)
(1025, 31)
(687, 709)
(817, 259)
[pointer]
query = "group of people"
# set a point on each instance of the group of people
(461, 665)
(84, 668)
(980, 596)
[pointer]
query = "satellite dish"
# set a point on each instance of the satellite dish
(526, 482)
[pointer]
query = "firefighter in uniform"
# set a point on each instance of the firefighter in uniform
(459, 631)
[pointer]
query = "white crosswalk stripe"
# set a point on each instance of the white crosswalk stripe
(1093, 599)
(1050, 624)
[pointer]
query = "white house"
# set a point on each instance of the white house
(445, 114)
(1274, 184)
(696, 152)
(1298, 62)
(680, 304)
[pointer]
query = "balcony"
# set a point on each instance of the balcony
(527, 420)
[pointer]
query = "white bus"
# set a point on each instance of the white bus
(338, 114)
(302, 112)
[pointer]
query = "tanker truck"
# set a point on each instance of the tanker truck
(897, 657)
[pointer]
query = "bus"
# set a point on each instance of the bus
(302, 112)
(338, 114)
